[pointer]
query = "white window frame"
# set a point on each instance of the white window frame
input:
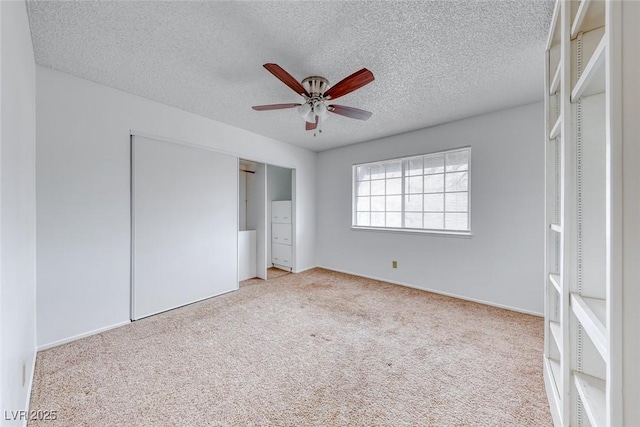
(402, 229)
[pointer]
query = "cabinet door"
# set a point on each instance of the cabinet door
(281, 254)
(281, 233)
(281, 212)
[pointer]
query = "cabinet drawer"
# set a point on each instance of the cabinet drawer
(281, 254)
(281, 212)
(281, 233)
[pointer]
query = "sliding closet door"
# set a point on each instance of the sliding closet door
(184, 225)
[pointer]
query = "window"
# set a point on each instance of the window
(420, 193)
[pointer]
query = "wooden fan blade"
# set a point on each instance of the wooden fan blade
(353, 113)
(311, 126)
(349, 84)
(286, 78)
(273, 107)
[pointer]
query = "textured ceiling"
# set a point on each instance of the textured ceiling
(434, 62)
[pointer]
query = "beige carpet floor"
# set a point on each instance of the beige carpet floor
(313, 349)
(272, 273)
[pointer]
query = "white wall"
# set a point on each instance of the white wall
(17, 209)
(502, 263)
(83, 195)
(242, 200)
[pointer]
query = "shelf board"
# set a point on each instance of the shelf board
(555, 83)
(556, 333)
(555, 281)
(590, 15)
(591, 313)
(554, 31)
(592, 393)
(592, 79)
(557, 228)
(555, 131)
(551, 376)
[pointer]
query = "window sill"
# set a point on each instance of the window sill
(463, 234)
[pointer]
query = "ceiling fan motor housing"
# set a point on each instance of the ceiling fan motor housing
(315, 85)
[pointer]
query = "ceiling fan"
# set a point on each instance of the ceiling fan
(316, 93)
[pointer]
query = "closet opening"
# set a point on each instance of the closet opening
(266, 220)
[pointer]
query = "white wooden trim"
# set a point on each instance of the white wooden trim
(304, 269)
(554, 22)
(618, 217)
(82, 335)
(592, 394)
(556, 129)
(556, 282)
(555, 83)
(593, 74)
(580, 15)
(556, 333)
(553, 394)
(30, 387)
(591, 313)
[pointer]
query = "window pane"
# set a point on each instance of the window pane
(394, 219)
(363, 218)
(394, 203)
(457, 202)
(433, 202)
(363, 204)
(429, 191)
(363, 173)
(457, 221)
(394, 169)
(414, 166)
(457, 181)
(377, 203)
(458, 161)
(413, 220)
(364, 188)
(434, 164)
(433, 220)
(377, 219)
(433, 183)
(377, 171)
(377, 187)
(394, 186)
(414, 184)
(413, 203)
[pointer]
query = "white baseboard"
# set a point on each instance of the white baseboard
(305, 269)
(435, 291)
(83, 335)
(30, 387)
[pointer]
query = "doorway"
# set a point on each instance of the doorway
(265, 239)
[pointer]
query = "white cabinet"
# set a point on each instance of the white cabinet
(281, 234)
(281, 254)
(281, 212)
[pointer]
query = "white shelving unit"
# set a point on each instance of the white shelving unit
(281, 234)
(583, 355)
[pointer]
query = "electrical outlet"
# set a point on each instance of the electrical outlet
(24, 373)
(394, 264)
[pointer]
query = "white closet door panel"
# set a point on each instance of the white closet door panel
(185, 213)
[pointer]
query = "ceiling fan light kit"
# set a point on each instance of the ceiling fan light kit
(316, 91)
